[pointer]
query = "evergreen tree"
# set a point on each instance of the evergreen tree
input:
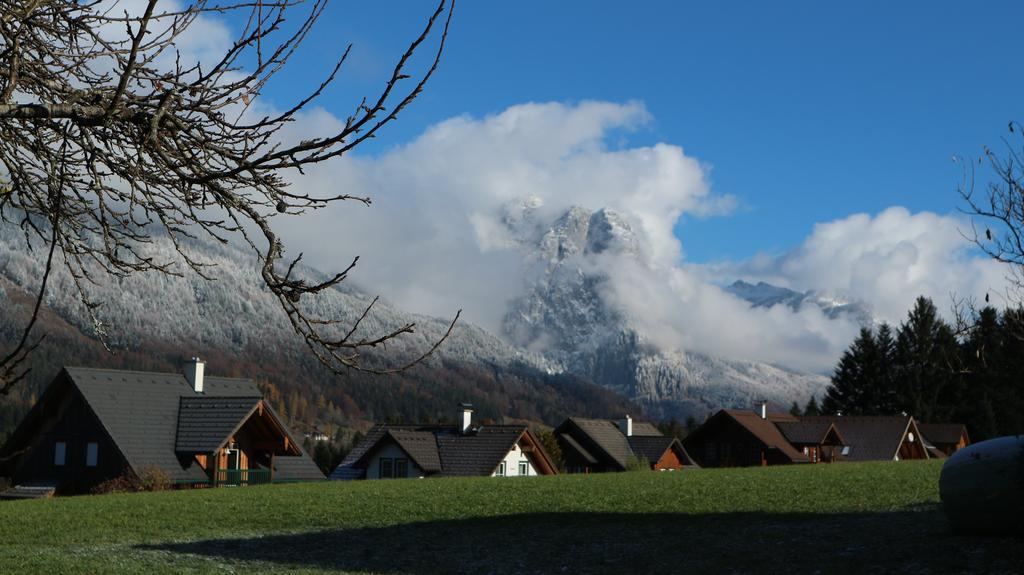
(794, 409)
(925, 357)
(1008, 389)
(812, 407)
(691, 424)
(844, 394)
(878, 395)
(983, 359)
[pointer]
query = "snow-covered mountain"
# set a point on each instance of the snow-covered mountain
(565, 316)
(764, 294)
(562, 323)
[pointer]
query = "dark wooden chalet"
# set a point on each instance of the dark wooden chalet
(946, 438)
(741, 438)
(399, 451)
(876, 438)
(92, 425)
(600, 445)
(819, 441)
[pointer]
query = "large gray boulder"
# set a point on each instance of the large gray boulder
(982, 487)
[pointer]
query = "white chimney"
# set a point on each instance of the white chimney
(763, 405)
(467, 415)
(626, 426)
(194, 373)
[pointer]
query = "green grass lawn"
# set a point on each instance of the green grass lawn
(878, 517)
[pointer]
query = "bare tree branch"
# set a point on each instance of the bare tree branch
(143, 140)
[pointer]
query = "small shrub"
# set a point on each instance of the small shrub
(126, 483)
(149, 479)
(154, 479)
(638, 464)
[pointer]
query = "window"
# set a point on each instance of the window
(387, 467)
(524, 467)
(401, 468)
(60, 451)
(91, 453)
(501, 470)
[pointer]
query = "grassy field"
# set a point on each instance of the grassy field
(881, 517)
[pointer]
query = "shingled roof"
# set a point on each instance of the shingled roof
(766, 430)
(477, 453)
(605, 438)
(439, 449)
(869, 438)
(652, 448)
(421, 447)
(205, 423)
(944, 433)
(602, 442)
(140, 412)
(807, 432)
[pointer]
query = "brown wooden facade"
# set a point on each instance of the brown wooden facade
(726, 440)
(64, 424)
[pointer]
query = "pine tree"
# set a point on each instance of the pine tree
(844, 394)
(878, 395)
(812, 407)
(925, 356)
(794, 409)
(1008, 395)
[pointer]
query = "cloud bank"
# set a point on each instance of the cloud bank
(443, 234)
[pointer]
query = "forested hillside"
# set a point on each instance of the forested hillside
(154, 322)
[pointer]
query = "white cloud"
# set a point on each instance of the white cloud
(434, 240)
(437, 237)
(887, 260)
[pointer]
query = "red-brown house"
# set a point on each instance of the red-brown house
(742, 438)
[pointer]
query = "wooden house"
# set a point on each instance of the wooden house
(742, 438)
(947, 438)
(876, 437)
(601, 445)
(819, 441)
(399, 451)
(92, 425)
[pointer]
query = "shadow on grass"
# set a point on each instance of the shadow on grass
(911, 541)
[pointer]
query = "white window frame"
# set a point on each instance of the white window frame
(524, 467)
(92, 453)
(501, 470)
(60, 453)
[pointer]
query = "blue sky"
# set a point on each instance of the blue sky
(805, 112)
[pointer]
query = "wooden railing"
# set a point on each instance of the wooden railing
(240, 477)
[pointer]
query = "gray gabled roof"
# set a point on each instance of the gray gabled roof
(806, 432)
(438, 449)
(477, 453)
(139, 410)
(945, 433)
(421, 447)
(205, 423)
(869, 438)
(605, 441)
(651, 448)
(297, 468)
(607, 437)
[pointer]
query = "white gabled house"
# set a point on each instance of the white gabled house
(399, 451)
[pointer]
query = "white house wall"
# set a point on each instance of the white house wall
(391, 451)
(512, 459)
